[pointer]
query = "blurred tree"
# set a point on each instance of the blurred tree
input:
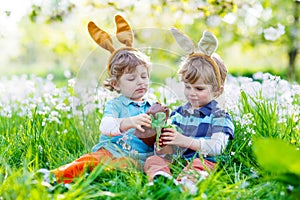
(294, 39)
(249, 23)
(268, 21)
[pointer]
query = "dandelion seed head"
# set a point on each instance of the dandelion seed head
(290, 188)
(71, 82)
(67, 73)
(40, 148)
(249, 143)
(244, 184)
(203, 196)
(50, 77)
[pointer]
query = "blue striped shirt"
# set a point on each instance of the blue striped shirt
(202, 123)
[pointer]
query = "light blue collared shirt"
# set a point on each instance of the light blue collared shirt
(126, 144)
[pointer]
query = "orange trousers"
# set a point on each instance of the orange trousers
(75, 169)
(154, 164)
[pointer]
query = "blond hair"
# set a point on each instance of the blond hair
(125, 61)
(195, 68)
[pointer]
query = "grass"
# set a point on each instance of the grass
(27, 144)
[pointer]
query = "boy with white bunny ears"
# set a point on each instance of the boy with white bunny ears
(205, 127)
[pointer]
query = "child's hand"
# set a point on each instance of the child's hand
(161, 142)
(170, 136)
(136, 122)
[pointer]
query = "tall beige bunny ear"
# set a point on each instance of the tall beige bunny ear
(208, 43)
(101, 37)
(124, 32)
(183, 40)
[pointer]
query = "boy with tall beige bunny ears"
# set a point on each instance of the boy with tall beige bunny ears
(128, 73)
(205, 128)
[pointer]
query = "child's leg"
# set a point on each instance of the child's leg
(197, 167)
(121, 163)
(67, 172)
(156, 164)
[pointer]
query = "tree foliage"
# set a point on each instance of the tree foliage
(249, 23)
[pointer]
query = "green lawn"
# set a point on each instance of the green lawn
(262, 162)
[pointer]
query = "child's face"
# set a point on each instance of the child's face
(134, 85)
(198, 94)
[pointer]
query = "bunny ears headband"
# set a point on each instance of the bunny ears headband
(206, 47)
(124, 35)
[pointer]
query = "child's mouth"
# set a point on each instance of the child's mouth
(194, 100)
(140, 90)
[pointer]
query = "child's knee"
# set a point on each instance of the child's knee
(153, 159)
(156, 163)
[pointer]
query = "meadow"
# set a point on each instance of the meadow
(43, 125)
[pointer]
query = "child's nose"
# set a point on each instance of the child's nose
(140, 81)
(193, 90)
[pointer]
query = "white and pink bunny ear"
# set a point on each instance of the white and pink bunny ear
(183, 40)
(206, 47)
(208, 44)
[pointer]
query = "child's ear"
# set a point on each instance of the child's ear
(219, 91)
(115, 85)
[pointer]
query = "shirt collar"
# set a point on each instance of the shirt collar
(206, 110)
(127, 101)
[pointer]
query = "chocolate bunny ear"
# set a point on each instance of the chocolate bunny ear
(124, 32)
(208, 43)
(101, 37)
(183, 40)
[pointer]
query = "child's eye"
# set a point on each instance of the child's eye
(187, 87)
(130, 79)
(144, 75)
(199, 89)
